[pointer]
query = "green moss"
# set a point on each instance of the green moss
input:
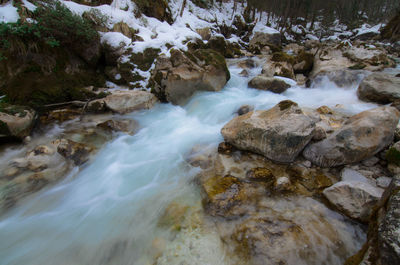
(282, 57)
(4, 129)
(145, 60)
(211, 57)
(286, 104)
(20, 111)
(357, 66)
(393, 156)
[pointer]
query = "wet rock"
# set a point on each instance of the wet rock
(354, 195)
(362, 136)
(77, 152)
(16, 121)
(244, 109)
(60, 115)
(342, 77)
(379, 87)
(260, 174)
(269, 83)
(126, 126)
(123, 101)
(247, 64)
(175, 79)
(280, 133)
(284, 69)
(226, 148)
(279, 236)
(244, 73)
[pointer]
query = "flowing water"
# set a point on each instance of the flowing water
(108, 212)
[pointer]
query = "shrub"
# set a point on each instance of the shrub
(53, 25)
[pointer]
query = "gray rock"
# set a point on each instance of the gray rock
(379, 87)
(177, 78)
(244, 109)
(383, 182)
(272, 84)
(362, 136)
(261, 39)
(124, 101)
(389, 228)
(77, 152)
(279, 133)
(16, 121)
(354, 195)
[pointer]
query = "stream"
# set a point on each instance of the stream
(108, 212)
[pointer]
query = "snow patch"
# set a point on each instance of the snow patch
(8, 13)
(29, 5)
(115, 39)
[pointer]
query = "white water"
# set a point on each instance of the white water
(107, 213)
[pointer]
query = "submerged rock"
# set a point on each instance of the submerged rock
(379, 87)
(16, 121)
(362, 136)
(279, 134)
(244, 109)
(175, 79)
(126, 126)
(274, 85)
(79, 153)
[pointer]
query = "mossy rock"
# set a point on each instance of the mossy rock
(393, 155)
(145, 60)
(211, 57)
(283, 57)
(304, 63)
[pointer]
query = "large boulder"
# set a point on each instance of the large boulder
(269, 83)
(264, 37)
(354, 195)
(175, 79)
(383, 244)
(379, 87)
(16, 121)
(279, 134)
(123, 101)
(362, 136)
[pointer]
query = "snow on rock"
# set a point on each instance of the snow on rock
(115, 39)
(29, 5)
(365, 28)
(261, 27)
(8, 13)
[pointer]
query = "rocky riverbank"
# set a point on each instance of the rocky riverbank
(289, 184)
